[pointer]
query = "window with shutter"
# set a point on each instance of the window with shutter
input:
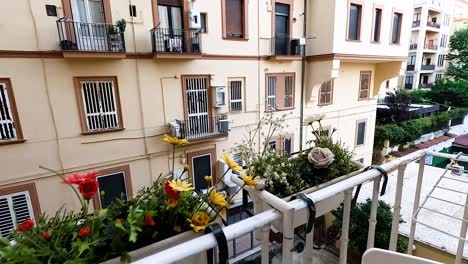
(364, 85)
(396, 28)
(114, 183)
(360, 132)
(14, 209)
(271, 92)
(288, 92)
(326, 93)
(235, 95)
(10, 129)
(100, 104)
(354, 21)
(234, 18)
(280, 91)
(237, 157)
(282, 144)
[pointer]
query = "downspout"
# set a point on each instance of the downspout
(301, 119)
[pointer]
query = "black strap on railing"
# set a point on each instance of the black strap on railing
(223, 252)
(312, 210)
(384, 185)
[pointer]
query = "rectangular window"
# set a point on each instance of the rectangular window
(99, 104)
(440, 61)
(114, 183)
(438, 76)
(412, 59)
(354, 21)
(283, 144)
(360, 132)
(326, 93)
(396, 28)
(280, 91)
(376, 25)
(203, 23)
(234, 15)
(236, 95)
(416, 17)
(201, 164)
(409, 80)
(364, 85)
(10, 128)
(237, 157)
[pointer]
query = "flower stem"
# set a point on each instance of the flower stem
(173, 160)
(60, 175)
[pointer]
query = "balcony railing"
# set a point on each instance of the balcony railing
(430, 46)
(285, 213)
(433, 24)
(201, 127)
(425, 85)
(413, 46)
(416, 23)
(410, 67)
(428, 67)
(165, 40)
(408, 85)
(95, 37)
(283, 46)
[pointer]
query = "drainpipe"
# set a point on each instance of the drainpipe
(301, 119)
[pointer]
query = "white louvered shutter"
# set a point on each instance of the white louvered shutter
(271, 91)
(236, 95)
(99, 105)
(14, 209)
(7, 127)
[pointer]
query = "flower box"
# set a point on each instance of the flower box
(163, 245)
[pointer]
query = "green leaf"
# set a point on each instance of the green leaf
(81, 246)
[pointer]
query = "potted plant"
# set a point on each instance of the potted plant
(122, 24)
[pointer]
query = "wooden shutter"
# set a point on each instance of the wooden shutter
(14, 209)
(234, 18)
(364, 85)
(271, 92)
(326, 93)
(7, 128)
(288, 91)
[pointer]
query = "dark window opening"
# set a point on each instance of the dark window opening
(354, 23)
(396, 28)
(201, 166)
(203, 23)
(360, 133)
(234, 18)
(112, 187)
(377, 21)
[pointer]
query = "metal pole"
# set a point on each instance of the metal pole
(345, 227)
(288, 236)
(417, 197)
(308, 254)
(397, 208)
(464, 227)
(373, 214)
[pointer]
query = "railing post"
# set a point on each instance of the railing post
(397, 208)
(265, 230)
(464, 227)
(373, 213)
(417, 197)
(288, 235)
(345, 226)
(308, 254)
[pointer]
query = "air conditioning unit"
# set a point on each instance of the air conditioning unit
(194, 17)
(224, 125)
(175, 128)
(219, 96)
(457, 170)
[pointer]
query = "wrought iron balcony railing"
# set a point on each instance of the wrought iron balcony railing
(408, 85)
(416, 23)
(433, 24)
(430, 46)
(428, 67)
(413, 46)
(165, 40)
(95, 37)
(425, 85)
(201, 127)
(410, 67)
(283, 46)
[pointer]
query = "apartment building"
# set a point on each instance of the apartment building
(81, 91)
(431, 29)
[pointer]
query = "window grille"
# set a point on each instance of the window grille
(236, 95)
(100, 105)
(271, 89)
(7, 127)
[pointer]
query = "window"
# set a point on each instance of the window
(361, 161)
(376, 25)
(387, 84)
(360, 132)
(280, 91)
(99, 104)
(440, 61)
(202, 163)
(409, 80)
(114, 183)
(438, 76)
(236, 95)
(203, 23)
(417, 17)
(443, 41)
(133, 12)
(364, 85)
(237, 157)
(396, 28)
(412, 59)
(17, 204)
(235, 18)
(10, 128)
(326, 93)
(354, 21)
(283, 144)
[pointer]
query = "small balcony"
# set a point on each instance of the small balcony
(430, 46)
(425, 85)
(428, 67)
(80, 39)
(408, 85)
(416, 23)
(413, 46)
(410, 67)
(433, 24)
(176, 43)
(284, 48)
(200, 127)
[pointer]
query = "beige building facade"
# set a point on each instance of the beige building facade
(81, 92)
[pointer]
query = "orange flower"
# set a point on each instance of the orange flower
(171, 192)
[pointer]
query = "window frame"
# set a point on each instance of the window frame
(14, 113)
(360, 4)
(32, 191)
(245, 17)
(361, 73)
(204, 152)
(204, 14)
(400, 22)
(128, 183)
(280, 141)
(242, 100)
(80, 100)
(359, 121)
(320, 93)
(379, 27)
(280, 90)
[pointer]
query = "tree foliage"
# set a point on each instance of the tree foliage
(458, 55)
(445, 92)
(398, 103)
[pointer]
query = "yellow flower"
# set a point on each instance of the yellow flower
(218, 199)
(177, 228)
(171, 203)
(248, 180)
(186, 167)
(175, 140)
(232, 164)
(208, 179)
(199, 221)
(180, 186)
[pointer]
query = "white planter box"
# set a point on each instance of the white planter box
(162, 245)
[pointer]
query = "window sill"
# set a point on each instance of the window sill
(364, 99)
(375, 42)
(353, 40)
(394, 44)
(282, 109)
(102, 131)
(325, 104)
(11, 142)
(358, 146)
(235, 39)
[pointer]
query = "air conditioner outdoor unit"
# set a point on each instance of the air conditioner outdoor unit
(195, 22)
(174, 126)
(457, 170)
(224, 125)
(219, 96)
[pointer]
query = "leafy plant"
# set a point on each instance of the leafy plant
(458, 55)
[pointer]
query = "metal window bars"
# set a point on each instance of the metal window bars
(168, 40)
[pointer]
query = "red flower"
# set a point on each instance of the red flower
(88, 188)
(149, 220)
(77, 178)
(84, 231)
(25, 226)
(171, 192)
(46, 235)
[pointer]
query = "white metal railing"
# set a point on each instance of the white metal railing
(285, 211)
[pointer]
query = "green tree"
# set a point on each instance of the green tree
(398, 103)
(458, 55)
